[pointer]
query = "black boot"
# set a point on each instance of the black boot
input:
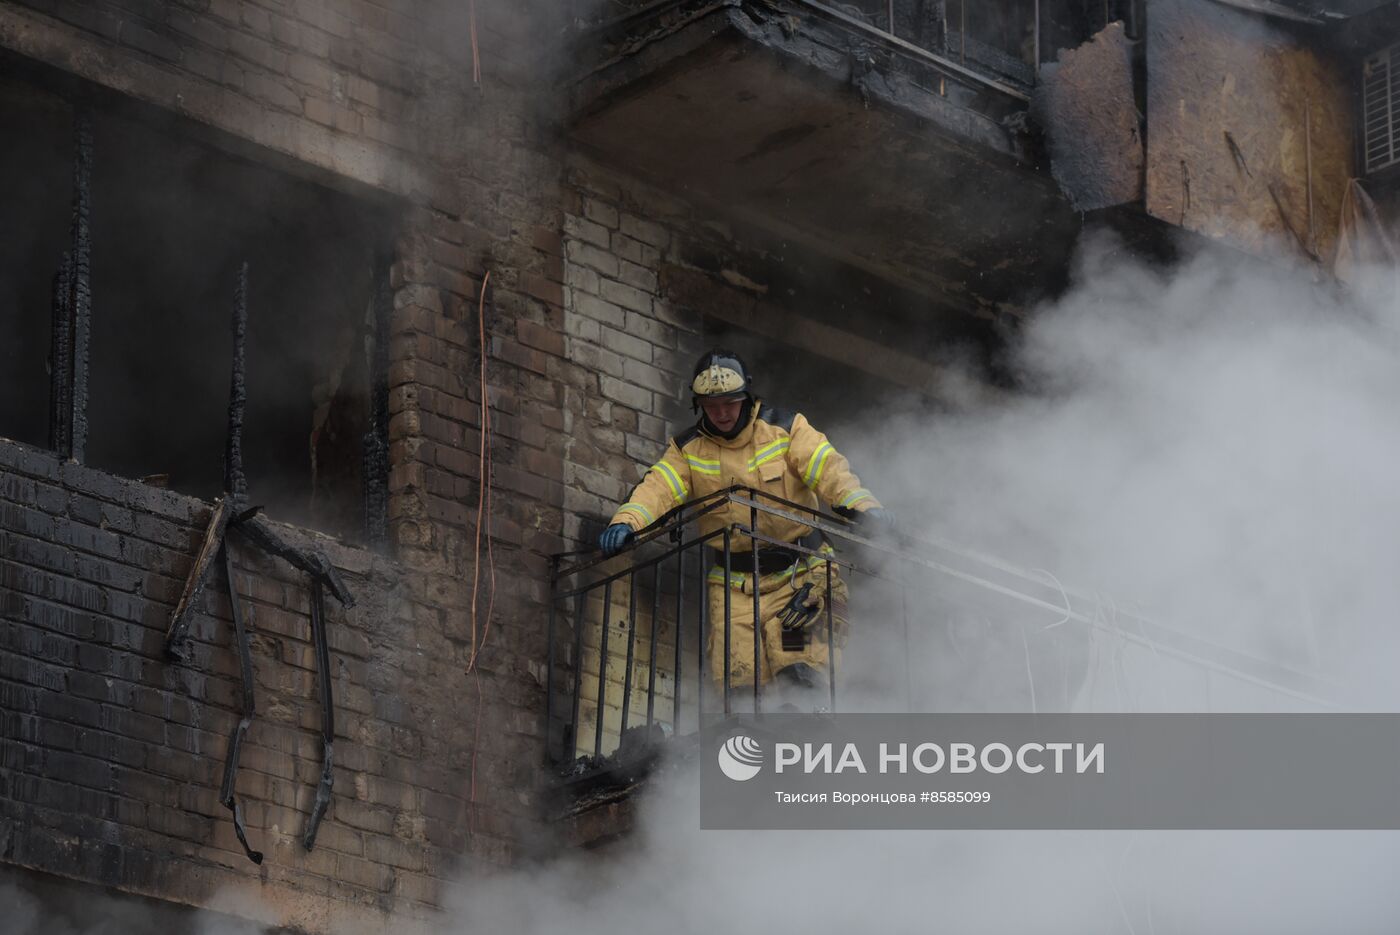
(800, 688)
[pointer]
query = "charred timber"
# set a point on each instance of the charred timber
(231, 511)
(227, 795)
(61, 360)
(323, 683)
(71, 324)
(177, 636)
(376, 440)
(81, 284)
(259, 531)
(235, 481)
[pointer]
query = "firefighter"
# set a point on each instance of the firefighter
(739, 441)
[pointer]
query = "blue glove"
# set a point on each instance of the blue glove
(615, 538)
(879, 519)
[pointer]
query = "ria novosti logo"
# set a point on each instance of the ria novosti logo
(740, 758)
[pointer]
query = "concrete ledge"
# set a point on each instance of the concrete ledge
(46, 40)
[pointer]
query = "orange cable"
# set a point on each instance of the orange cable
(476, 52)
(483, 519)
(483, 499)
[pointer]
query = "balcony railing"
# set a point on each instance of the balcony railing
(997, 39)
(626, 636)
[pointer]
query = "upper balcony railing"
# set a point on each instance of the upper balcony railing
(999, 39)
(937, 628)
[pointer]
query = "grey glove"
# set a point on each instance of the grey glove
(615, 538)
(878, 519)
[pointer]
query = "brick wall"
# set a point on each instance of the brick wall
(618, 330)
(585, 368)
(120, 749)
(114, 753)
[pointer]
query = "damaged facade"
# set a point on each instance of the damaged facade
(485, 242)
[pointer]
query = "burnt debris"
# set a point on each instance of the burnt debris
(231, 512)
(323, 683)
(227, 798)
(376, 440)
(235, 481)
(72, 310)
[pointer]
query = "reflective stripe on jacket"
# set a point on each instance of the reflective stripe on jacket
(787, 458)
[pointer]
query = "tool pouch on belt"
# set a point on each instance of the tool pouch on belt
(797, 616)
(804, 617)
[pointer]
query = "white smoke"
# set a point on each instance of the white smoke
(35, 905)
(1214, 447)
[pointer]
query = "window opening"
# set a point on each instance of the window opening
(166, 220)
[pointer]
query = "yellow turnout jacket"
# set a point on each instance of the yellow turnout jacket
(778, 452)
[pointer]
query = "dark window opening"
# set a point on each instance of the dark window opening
(172, 218)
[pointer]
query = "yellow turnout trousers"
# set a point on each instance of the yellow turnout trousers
(774, 593)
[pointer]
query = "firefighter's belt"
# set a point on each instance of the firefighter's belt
(775, 559)
(771, 561)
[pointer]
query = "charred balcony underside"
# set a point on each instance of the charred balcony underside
(786, 116)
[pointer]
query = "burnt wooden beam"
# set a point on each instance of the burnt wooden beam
(81, 283)
(178, 632)
(259, 531)
(235, 481)
(61, 360)
(71, 326)
(376, 440)
(323, 684)
(227, 796)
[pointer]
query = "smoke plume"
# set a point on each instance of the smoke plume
(1209, 447)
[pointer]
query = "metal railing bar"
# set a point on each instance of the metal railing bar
(664, 525)
(1163, 643)
(651, 660)
(903, 554)
(948, 66)
(933, 565)
(1166, 634)
(831, 640)
(631, 649)
(728, 618)
(953, 585)
(571, 736)
(603, 670)
(646, 564)
(550, 661)
(844, 529)
(702, 608)
(818, 522)
(939, 63)
(800, 549)
(668, 522)
(757, 614)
